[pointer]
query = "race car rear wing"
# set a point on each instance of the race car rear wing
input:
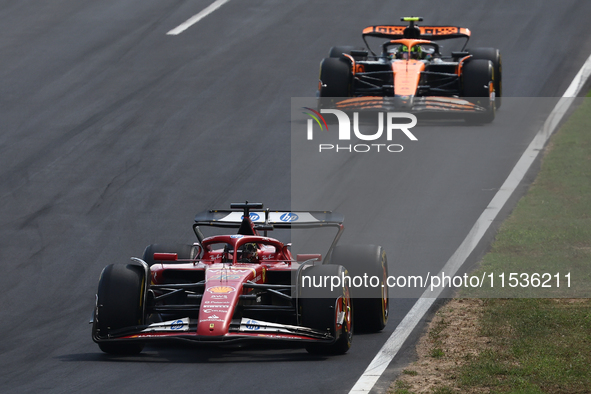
(250, 216)
(432, 33)
(232, 218)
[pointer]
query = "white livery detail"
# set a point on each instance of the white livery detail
(171, 325)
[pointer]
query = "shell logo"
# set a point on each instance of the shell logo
(221, 289)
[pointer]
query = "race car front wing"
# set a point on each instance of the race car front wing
(244, 329)
(412, 104)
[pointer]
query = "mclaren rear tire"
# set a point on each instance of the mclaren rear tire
(478, 87)
(370, 304)
(327, 309)
(120, 300)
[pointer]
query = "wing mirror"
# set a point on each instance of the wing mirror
(166, 256)
(304, 257)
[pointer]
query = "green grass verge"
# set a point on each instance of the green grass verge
(543, 345)
(548, 235)
(537, 346)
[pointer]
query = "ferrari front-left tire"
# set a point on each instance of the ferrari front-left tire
(371, 303)
(327, 309)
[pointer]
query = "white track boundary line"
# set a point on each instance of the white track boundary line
(196, 18)
(387, 353)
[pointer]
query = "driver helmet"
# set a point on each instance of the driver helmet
(416, 52)
(249, 252)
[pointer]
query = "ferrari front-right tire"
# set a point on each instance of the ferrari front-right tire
(119, 305)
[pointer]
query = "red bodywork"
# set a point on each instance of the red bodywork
(224, 288)
(225, 278)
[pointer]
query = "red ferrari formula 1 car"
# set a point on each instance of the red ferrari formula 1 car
(243, 287)
(410, 73)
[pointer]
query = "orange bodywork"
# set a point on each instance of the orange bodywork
(407, 73)
(355, 68)
(461, 65)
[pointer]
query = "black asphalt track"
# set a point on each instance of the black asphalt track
(114, 134)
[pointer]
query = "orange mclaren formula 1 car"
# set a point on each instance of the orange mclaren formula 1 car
(243, 287)
(410, 73)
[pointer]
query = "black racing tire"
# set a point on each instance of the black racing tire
(322, 306)
(477, 84)
(335, 78)
(183, 251)
(494, 55)
(337, 51)
(370, 304)
(120, 300)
